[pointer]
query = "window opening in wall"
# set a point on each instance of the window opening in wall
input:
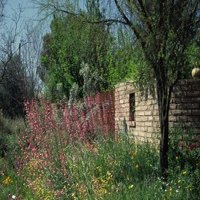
(132, 107)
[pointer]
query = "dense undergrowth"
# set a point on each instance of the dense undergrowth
(104, 167)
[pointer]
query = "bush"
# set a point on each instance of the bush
(184, 157)
(10, 128)
(184, 149)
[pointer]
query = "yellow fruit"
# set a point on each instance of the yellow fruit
(196, 72)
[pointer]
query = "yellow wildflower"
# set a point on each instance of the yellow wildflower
(7, 181)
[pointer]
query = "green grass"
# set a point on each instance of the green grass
(12, 184)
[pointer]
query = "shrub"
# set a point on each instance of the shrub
(9, 147)
(184, 149)
(184, 157)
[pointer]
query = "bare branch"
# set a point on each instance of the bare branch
(145, 14)
(85, 19)
(129, 23)
(2, 5)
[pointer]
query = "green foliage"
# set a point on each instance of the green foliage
(129, 62)
(184, 149)
(140, 72)
(121, 56)
(11, 184)
(184, 159)
(9, 146)
(193, 53)
(86, 54)
(71, 43)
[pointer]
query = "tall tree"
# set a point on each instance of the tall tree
(164, 29)
(71, 43)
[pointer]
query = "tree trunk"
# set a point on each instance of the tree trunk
(164, 95)
(164, 128)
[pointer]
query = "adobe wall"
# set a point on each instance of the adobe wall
(184, 109)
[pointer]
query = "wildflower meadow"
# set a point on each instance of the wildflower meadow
(71, 152)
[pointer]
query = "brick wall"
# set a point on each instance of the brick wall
(185, 105)
(185, 109)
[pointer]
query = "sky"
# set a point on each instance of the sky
(28, 20)
(29, 12)
(29, 9)
(29, 16)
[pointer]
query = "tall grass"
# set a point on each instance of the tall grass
(106, 169)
